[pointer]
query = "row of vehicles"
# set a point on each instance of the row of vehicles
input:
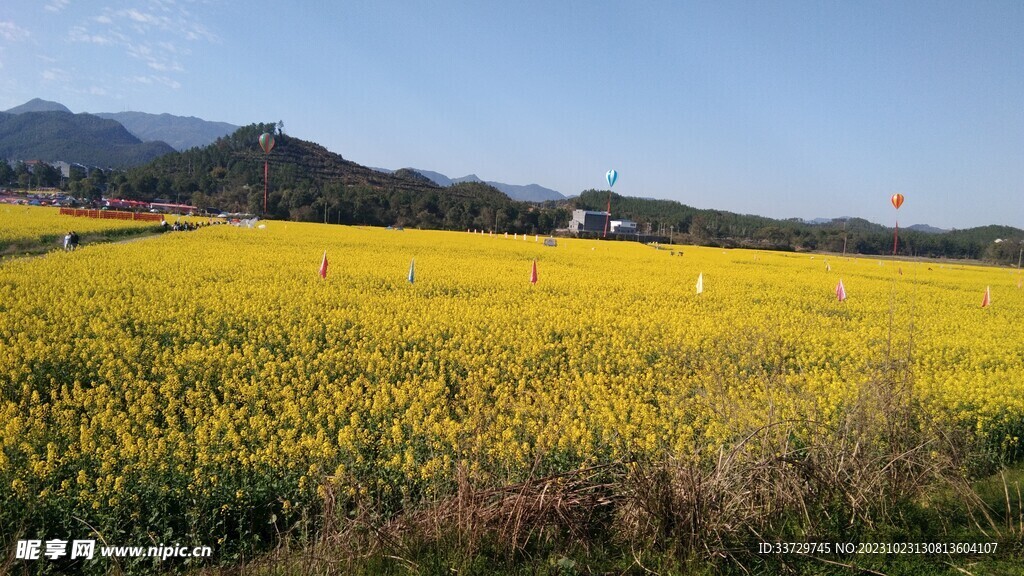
(56, 197)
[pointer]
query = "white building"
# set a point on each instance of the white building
(622, 227)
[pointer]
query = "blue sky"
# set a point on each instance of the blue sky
(785, 109)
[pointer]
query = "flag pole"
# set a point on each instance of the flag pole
(895, 237)
(608, 214)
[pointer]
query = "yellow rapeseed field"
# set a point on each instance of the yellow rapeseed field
(30, 223)
(210, 382)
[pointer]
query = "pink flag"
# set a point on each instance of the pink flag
(323, 266)
(840, 291)
(987, 299)
(533, 273)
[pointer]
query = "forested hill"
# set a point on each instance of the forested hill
(714, 227)
(308, 182)
(53, 136)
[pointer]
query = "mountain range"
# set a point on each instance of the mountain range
(527, 193)
(180, 132)
(925, 228)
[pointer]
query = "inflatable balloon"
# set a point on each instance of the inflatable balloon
(267, 142)
(611, 176)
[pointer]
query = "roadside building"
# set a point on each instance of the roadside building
(622, 227)
(587, 221)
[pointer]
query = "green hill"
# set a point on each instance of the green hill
(53, 136)
(39, 105)
(308, 182)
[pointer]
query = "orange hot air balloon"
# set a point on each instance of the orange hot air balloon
(897, 200)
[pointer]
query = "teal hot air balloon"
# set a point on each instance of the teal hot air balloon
(611, 176)
(267, 142)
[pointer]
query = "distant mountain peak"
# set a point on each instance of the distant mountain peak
(527, 193)
(39, 105)
(927, 229)
(181, 132)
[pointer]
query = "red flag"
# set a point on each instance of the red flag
(987, 299)
(533, 273)
(840, 291)
(323, 266)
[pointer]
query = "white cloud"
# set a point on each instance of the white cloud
(12, 32)
(158, 34)
(155, 79)
(165, 66)
(169, 82)
(141, 17)
(97, 91)
(55, 75)
(81, 34)
(56, 5)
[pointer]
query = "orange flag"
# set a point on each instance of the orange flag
(533, 273)
(987, 299)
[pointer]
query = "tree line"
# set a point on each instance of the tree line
(999, 244)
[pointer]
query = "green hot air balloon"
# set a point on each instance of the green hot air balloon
(267, 142)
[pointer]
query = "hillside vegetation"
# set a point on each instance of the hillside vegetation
(77, 138)
(308, 182)
(854, 235)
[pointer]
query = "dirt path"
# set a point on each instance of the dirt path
(29, 249)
